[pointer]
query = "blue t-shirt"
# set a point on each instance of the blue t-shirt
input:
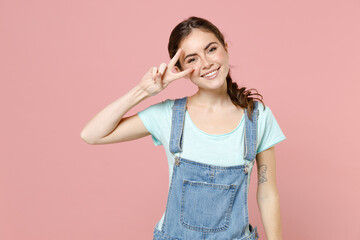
(216, 149)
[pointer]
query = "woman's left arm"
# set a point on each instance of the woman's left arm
(267, 194)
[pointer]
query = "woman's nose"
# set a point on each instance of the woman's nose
(206, 63)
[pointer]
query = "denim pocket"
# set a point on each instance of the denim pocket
(206, 207)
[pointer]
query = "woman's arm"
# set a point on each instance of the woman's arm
(267, 194)
(105, 127)
(109, 126)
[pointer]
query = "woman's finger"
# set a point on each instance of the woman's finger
(183, 73)
(158, 79)
(153, 72)
(162, 68)
(175, 58)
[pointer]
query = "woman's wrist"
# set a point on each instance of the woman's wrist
(138, 94)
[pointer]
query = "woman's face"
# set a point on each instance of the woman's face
(204, 52)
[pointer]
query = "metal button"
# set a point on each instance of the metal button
(177, 161)
(246, 170)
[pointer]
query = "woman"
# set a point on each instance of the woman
(211, 139)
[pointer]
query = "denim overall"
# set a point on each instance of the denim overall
(207, 202)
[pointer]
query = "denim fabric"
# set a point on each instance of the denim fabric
(207, 201)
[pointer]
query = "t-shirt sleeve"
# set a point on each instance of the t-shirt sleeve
(270, 132)
(152, 117)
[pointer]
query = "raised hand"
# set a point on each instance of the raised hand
(157, 79)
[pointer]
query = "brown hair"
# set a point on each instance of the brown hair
(240, 97)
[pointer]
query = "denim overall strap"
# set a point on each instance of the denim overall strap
(251, 133)
(177, 125)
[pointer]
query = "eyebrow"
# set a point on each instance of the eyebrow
(207, 46)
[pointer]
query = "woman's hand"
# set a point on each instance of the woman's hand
(157, 79)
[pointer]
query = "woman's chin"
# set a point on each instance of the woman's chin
(208, 84)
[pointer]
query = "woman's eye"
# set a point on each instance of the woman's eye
(212, 49)
(193, 59)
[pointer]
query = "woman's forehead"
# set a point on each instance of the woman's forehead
(198, 38)
(197, 41)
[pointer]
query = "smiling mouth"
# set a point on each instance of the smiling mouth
(213, 73)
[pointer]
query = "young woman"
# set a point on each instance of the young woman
(211, 139)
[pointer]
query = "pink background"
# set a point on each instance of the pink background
(63, 61)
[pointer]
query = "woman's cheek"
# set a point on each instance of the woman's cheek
(196, 72)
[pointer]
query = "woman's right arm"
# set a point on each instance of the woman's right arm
(109, 126)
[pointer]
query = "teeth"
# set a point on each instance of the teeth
(210, 74)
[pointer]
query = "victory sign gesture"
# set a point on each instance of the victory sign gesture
(157, 79)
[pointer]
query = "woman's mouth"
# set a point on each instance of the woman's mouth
(212, 74)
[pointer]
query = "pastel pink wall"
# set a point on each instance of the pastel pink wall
(63, 61)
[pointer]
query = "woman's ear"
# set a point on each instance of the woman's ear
(177, 69)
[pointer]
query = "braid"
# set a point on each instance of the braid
(242, 97)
